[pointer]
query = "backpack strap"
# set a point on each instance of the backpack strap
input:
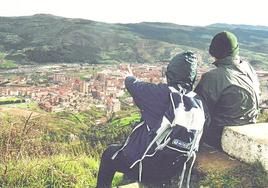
(183, 120)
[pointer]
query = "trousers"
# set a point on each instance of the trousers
(158, 168)
(212, 136)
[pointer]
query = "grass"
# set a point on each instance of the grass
(86, 117)
(53, 171)
(6, 64)
(263, 116)
(2, 55)
(126, 120)
(7, 99)
(62, 150)
(41, 152)
(245, 175)
(30, 106)
(12, 100)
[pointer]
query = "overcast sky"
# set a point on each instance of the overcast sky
(184, 12)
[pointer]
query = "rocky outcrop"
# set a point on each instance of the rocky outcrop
(248, 143)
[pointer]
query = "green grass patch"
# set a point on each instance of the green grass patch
(28, 106)
(54, 171)
(31, 106)
(263, 116)
(86, 117)
(126, 120)
(3, 99)
(2, 55)
(10, 100)
(8, 64)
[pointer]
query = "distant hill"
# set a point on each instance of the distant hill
(49, 39)
(240, 26)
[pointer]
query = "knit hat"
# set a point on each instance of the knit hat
(182, 69)
(224, 44)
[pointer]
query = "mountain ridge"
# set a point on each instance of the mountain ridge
(240, 26)
(45, 38)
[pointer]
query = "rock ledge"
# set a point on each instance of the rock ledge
(248, 143)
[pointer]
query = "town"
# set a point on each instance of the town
(75, 87)
(78, 87)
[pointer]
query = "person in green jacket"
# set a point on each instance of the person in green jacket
(230, 91)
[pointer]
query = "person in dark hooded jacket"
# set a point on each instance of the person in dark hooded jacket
(231, 91)
(152, 100)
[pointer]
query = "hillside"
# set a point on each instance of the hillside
(50, 39)
(241, 26)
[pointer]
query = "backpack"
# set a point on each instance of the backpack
(180, 130)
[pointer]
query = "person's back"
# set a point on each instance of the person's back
(231, 91)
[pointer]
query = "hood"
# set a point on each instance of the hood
(182, 69)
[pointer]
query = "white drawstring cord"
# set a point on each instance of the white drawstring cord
(190, 170)
(182, 174)
(140, 171)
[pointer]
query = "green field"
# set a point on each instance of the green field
(10, 100)
(6, 64)
(2, 99)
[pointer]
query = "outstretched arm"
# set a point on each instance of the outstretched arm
(152, 99)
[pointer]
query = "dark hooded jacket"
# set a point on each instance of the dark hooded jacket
(231, 92)
(153, 101)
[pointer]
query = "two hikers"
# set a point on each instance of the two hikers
(230, 92)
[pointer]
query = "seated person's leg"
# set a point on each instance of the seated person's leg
(212, 136)
(109, 166)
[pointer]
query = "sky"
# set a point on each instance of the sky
(182, 12)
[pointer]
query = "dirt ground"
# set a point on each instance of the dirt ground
(210, 159)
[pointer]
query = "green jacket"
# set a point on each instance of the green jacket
(231, 92)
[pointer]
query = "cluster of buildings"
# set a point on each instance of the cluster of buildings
(62, 90)
(59, 88)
